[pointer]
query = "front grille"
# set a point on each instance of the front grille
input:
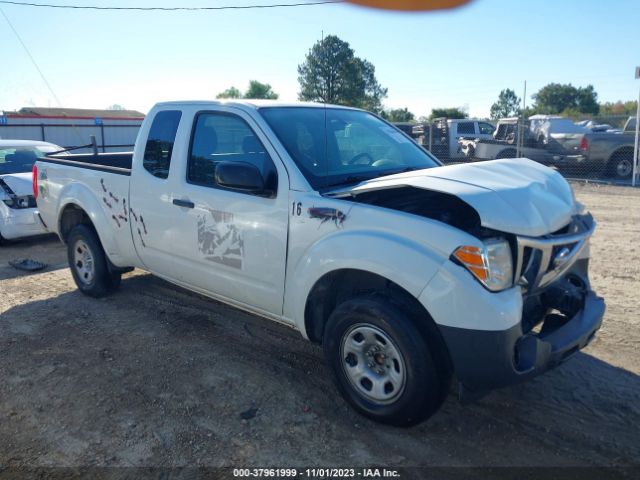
(541, 260)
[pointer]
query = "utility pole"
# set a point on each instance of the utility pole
(521, 123)
(635, 143)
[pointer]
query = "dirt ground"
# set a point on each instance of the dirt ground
(156, 376)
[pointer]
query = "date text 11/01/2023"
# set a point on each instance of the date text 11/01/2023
(316, 473)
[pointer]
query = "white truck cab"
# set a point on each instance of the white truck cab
(444, 137)
(331, 221)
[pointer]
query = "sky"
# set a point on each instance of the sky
(454, 58)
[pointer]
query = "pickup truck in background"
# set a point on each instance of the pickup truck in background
(333, 222)
(538, 140)
(610, 153)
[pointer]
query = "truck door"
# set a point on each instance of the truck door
(150, 208)
(230, 242)
(485, 130)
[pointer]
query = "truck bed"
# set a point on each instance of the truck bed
(119, 163)
(93, 183)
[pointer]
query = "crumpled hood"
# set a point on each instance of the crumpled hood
(19, 183)
(515, 195)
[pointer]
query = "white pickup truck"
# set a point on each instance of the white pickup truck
(331, 221)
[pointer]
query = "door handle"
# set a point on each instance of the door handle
(183, 203)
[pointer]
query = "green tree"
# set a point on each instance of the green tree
(331, 73)
(555, 98)
(508, 105)
(398, 115)
(587, 100)
(231, 92)
(260, 90)
(453, 113)
(619, 108)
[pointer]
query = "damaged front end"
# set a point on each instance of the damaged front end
(560, 314)
(516, 301)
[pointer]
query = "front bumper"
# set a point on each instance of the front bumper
(484, 360)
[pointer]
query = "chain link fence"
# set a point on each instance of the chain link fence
(598, 148)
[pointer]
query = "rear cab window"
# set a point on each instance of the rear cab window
(466, 128)
(159, 147)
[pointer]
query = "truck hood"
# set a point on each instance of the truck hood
(19, 183)
(515, 195)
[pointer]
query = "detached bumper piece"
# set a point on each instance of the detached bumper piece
(567, 315)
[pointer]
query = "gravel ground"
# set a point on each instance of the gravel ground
(156, 376)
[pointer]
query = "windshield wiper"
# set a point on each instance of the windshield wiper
(361, 178)
(402, 170)
(349, 180)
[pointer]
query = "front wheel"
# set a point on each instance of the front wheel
(88, 263)
(381, 363)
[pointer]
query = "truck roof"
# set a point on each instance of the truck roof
(458, 120)
(254, 103)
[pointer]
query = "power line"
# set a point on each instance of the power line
(35, 64)
(172, 9)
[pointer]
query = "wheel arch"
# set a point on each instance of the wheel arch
(340, 285)
(71, 216)
(78, 204)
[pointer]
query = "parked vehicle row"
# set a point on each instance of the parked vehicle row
(556, 141)
(331, 221)
(534, 139)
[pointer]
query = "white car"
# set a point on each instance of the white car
(18, 213)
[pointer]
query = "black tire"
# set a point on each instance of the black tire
(426, 380)
(620, 164)
(88, 263)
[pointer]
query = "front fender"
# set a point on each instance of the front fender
(406, 263)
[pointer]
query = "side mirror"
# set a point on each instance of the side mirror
(240, 175)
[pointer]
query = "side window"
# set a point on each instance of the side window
(221, 137)
(466, 128)
(486, 128)
(162, 136)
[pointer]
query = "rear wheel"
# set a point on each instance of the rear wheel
(621, 164)
(88, 263)
(382, 364)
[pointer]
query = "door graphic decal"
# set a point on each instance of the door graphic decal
(219, 239)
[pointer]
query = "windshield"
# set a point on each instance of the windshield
(336, 146)
(21, 159)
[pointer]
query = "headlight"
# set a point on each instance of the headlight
(492, 264)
